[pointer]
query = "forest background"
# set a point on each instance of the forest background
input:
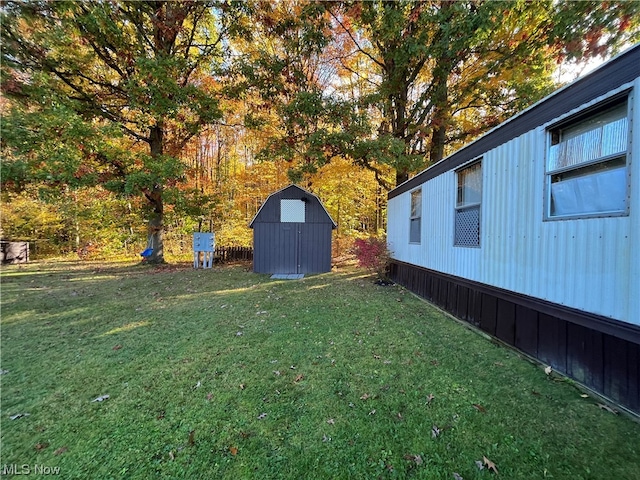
(130, 124)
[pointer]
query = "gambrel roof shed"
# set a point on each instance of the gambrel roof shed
(292, 233)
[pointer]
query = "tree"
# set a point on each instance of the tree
(95, 65)
(436, 63)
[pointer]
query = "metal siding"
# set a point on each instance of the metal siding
(315, 248)
(633, 243)
(274, 248)
(270, 210)
(589, 264)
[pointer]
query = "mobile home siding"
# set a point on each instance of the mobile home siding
(585, 263)
(564, 291)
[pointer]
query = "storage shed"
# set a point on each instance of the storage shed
(292, 234)
(532, 232)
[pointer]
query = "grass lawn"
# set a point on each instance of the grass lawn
(229, 374)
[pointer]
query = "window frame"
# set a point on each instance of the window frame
(553, 134)
(467, 206)
(415, 215)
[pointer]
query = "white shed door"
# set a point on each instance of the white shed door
(292, 211)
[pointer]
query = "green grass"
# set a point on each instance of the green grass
(229, 374)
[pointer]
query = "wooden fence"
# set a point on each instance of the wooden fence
(229, 254)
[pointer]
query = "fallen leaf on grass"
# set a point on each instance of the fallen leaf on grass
(233, 451)
(417, 459)
(4, 372)
(365, 396)
(192, 438)
(298, 378)
(435, 431)
(209, 396)
(242, 386)
(430, 398)
(198, 385)
(101, 398)
(171, 455)
(276, 373)
(331, 421)
(607, 408)
(584, 395)
(60, 451)
(457, 476)
(372, 412)
(548, 370)
(19, 415)
(480, 408)
(117, 347)
(479, 464)
(262, 416)
(41, 446)
(377, 357)
(490, 465)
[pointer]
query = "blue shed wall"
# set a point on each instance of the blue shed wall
(292, 247)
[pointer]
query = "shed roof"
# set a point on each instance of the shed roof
(303, 192)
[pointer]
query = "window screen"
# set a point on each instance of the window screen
(586, 171)
(415, 221)
(292, 211)
(467, 212)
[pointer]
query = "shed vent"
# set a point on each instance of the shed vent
(292, 211)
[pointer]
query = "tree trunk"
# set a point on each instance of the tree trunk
(440, 119)
(154, 196)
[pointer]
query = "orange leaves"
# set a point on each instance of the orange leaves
(480, 408)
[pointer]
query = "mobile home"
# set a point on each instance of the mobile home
(532, 232)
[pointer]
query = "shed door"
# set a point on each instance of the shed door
(289, 249)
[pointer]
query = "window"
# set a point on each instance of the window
(586, 172)
(292, 211)
(467, 214)
(416, 216)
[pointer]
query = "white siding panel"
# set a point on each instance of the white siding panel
(634, 201)
(591, 264)
(580, 263)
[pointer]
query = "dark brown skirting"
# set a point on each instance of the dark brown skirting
(601, 353)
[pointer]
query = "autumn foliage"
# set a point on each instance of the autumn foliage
(372, 253)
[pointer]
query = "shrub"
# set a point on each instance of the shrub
(373, 254)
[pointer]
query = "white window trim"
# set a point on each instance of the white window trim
(417, 216)
(602, 104)
(466, 206)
